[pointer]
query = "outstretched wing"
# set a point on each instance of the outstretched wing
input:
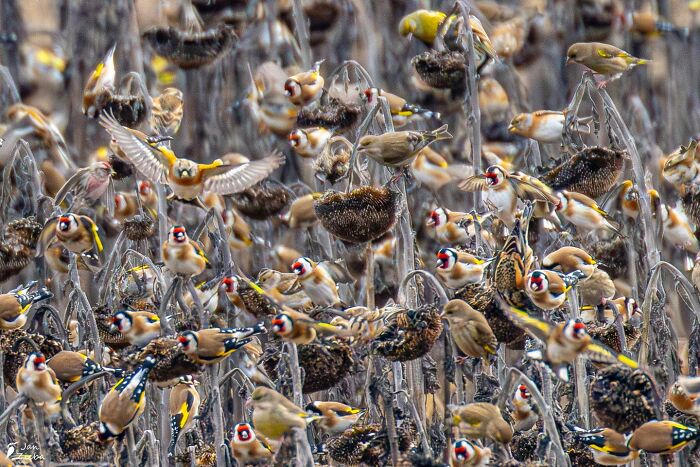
(474, 183)
(145, 158)
(240, 177)
(602, 354)
(535, 327)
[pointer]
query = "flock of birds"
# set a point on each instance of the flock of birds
(321, 304)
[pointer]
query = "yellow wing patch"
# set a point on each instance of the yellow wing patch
(98, 70)
(527, 320)
(168, 154)
(96, 236)
(213, 165)
(185, 411)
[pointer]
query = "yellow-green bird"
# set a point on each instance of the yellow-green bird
(274, 415)
(603, 59)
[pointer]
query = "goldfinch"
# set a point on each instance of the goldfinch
(547, 289)
(563, 343)
(584, 212)
(482, 420)
(627, 308)
(100, 85)
(187, 179)
(306, 87)
(677, 229)
(607, 445)
(274, 415)
(70, 367)
(662, 437)
(569, 259)
(15, 304)
(524, 417)
(683, 164)
(125, 402)
(78, 234)
(457, 269)
(469, 329)
(211, 345)
(401, 111)
(183, 407)
(317, 282)
(38, 382)
(248, 447)
(465, 453)
(138, 327)
(301, 214)
(335, 417)
(398, 149)
(545, 126)
(309, 142)
(182, 255)
(684, 395)
(300, 328)
(603, 59)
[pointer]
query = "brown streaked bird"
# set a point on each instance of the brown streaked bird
(603, 59)
(187, 179)
(662, 437)
(100, 86)
(274, 415)
(568, 259)
(69, 366)
(166, 112)
(607, 446)
(513, 262)
(502, 190)
(183, 407)
(211, 345)
(547, 289)
(684, 395)
(597, 288)
(563, 343)
(398, 149)
(401, 111)
(301, 214)
(15, 304)
(458, 268)
(300, 328)
(335, 416)
(484, 421)
(37, 382)
(78, 234)
(138, 327)
(317, 282)
(182, 255)
(309, 142)
(465, 453)
(125, 401)
(545, 126)
(524, 417)
(249, 447)
(469, 329)
(584, 212)
(305, 87)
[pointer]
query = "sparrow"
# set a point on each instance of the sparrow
(524, 417)
(603, 59)
(502, 191)
(36, 381)
(210, 346)
(684, 395)
(584, 212)
(398, 149)
(182, 255)
(138, 327)
(513, 262)
(457, 268)
(482, 420)
(306, 87)
(274, 415)
(301, 214)
(569, 259)
(187, 179)
(547, 289)
(335, 417)
(309, 142)
(677, 230)
(469, 329)
(317, 282)
(300, 328)
(100, 86)
(627, 308)
(682, 165)
(87, 185)
(545, 126)
(183, 408)
(563, 343)
(464, 453)
(15, 304)
(124, 402)
(166, 112)
(69, 366)
(401, 111)
(455, 228)
(661, 437)
(248, 447)
(607, 445)
(78, 234)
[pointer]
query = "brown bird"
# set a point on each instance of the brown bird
(603, 59)
(183, 407)
(684, 395)
(166, 112)
(484, 421)
(469, 329)
(274, 415)
(398, 149)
